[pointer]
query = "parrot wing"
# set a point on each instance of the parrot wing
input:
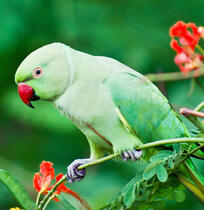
(142, 105)
(144, 110)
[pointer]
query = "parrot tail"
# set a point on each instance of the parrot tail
(192, 179)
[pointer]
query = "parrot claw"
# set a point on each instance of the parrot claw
(131, 154)
(73, 174)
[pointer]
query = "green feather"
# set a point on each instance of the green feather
(145, 108)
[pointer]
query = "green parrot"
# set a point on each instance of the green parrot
(115, 107)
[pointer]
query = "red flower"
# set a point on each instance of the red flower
(43, 179)
(186, 37)
(186, 58)
(42, 182)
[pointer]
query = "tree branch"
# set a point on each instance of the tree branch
(192, 115)
(199, 107)
(173, 76)
(187, 112)
(109, 157)
(190, 153)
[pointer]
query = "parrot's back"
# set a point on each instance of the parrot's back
(144, 107)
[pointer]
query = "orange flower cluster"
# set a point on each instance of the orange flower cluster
(42, 183)
(42, 180)
(188, 35)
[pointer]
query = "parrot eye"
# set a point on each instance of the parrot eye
(38, 72)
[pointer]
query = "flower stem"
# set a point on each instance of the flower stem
(38, 198)
(200, 48)
(50, 198)
(173, 76)
(109, 157)
(50, 193)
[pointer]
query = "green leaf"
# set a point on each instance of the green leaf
(170, 163)
(105, 207)
(129, 197)
(64, 200)
(179, 196)
(129, 190)
(159, 157)
(17, 190)
(167, 190)
(115, 204)
(152, 205)
(177, 148)
(131, 183)
(167, 152)
(150, 171)
(162, 173)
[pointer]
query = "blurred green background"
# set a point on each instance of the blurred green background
(133, 32)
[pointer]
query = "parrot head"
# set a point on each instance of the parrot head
(44, 74)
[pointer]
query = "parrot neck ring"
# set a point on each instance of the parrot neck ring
(27, 94)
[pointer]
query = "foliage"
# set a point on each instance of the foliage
(156, 183)
(17, 190)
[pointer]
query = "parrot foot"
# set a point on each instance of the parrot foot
(73, 174)
(131, 154)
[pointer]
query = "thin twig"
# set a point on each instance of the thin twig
(190, 153)
(50, 198)
(38, 198)
(192, 86)
(187, 112)
(146, 146)
(173, 76)
(192, 115)
(153, 192)
(200, 48)
(200, 107)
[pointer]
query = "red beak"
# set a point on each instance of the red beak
(27, 94)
